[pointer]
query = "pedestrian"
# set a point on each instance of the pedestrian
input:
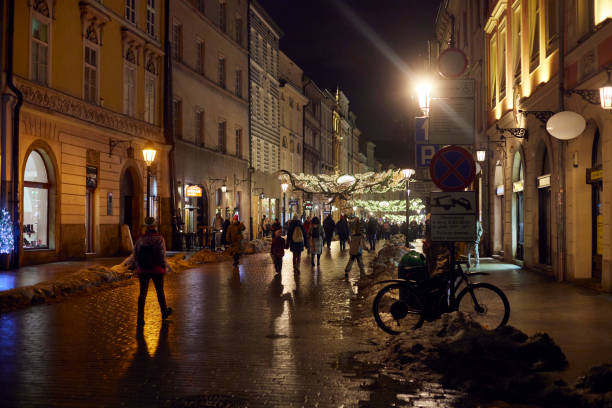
(150, 257)
(315, 237)
(394, 229)
(234, 239)
(276, 225)
(343, 232)
(386, 229)
(224, 228)
(371, 230)
(296, 241)
(267, 227)
(328, 226)
(357, 243)
(217, 229)
(475, 245)
(307, 223)
(262, 226)
(277, 250)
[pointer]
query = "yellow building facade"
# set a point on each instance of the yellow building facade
(89, 76)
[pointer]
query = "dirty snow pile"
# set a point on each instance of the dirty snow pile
(506, 363)
(384, 264)
(257, 246)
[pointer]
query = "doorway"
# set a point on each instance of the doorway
(597, 221)
(544, 212)
(89, 221)
(130, 201)
(518, 177)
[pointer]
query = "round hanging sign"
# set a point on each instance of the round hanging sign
(452, 63)
(452, 168)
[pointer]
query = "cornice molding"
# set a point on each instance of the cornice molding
(56, 101)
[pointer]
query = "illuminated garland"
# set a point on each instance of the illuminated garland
(7, 241)
(392, 206)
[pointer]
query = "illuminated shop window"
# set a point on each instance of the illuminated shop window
(35, 203)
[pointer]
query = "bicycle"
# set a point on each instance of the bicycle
(405, 304)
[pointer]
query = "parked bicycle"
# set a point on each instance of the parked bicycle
(404, 304)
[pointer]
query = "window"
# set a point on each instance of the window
(150, 97)
(552, 29)
(177, 41)
(222, 134)
(502, 61)
(40, 51)
(291, 146)
(151, 19)
(35, 203)
(601, 10)
(238, 142)
(221, 72)
(239, 30)
(586, 13)
(534, 33)
(285, 142)
(516, 43)
(199, 127)
(200, 56)
(129, 88)
(238, 89)
(493, 71)
(177, 112)
(130, 11)
(90, 92)
(299, 148)
(223, 16)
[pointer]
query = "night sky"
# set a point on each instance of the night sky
(333, 41)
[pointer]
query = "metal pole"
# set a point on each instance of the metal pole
(148, 191)
(284, 217)
(407, 230)
(561, 233)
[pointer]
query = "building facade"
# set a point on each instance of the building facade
(82, 93)
(210, 108)
(313, 144)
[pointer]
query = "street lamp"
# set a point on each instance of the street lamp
(223, 188)
(407, 173)
(284, 187)
(423, 95)
(148, 154)
(605, 93)
(481, 155)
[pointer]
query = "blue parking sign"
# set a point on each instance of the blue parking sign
(419, 129)
(425, 152)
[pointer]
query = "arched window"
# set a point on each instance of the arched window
(35, 203)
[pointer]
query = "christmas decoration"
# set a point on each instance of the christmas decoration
(388, 207)
(7, 241)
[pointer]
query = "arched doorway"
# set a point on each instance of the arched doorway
(130, 205)
(518, 206)
(499, 207)
(38, 202)
(544, 211)
(596, 214)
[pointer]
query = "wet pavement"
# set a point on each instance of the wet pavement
(247, 338)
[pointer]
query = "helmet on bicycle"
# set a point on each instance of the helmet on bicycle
(412, 258)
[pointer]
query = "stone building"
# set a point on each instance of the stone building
(82, 94)
(210, 107)
(265, 149)
(292, 102)
(546, 198)
(342, 128)
(327, 133)
(313, 145)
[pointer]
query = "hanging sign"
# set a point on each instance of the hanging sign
(499, 190)
(452, 169)
(193, 191)
(594, 175)
(544, 181)
(517, 186)
(453, 216)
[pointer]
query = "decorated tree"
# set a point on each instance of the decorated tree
(7, 240)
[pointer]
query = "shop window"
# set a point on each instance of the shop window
(35, 203)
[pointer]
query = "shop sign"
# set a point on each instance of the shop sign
(193, 191)
(594, 175)
(308, 205)
(499, 190)
(293, 202)
(91, 176)
(517, 186)
(544, 181)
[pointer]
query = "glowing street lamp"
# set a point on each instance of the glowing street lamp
(423, 95)
(148, 154)
(407, 173)
(605, 93)
(481, 155)
(223, 188)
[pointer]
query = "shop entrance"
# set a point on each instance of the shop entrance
(518, 177)
(130, 208)
(597, 221)
(544, 212)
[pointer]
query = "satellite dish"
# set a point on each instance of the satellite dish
(566, 125)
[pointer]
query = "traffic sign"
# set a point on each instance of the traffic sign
(420, 129)
(452, 63)
(452, 168)
(453, 216)
(424, 154)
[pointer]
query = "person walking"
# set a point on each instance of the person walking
(328, 226)
(343, 232)
(224, 241)
(315, 237)
(296, 241)
(277, 250)
(150, 257)
(307, 223)
(475, 245)
(357, 243)
(217, 228)
(234, 237)
(371, 230)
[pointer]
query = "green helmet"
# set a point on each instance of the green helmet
(412, 258)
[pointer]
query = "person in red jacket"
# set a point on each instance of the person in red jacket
(150, 258)
(277, 251)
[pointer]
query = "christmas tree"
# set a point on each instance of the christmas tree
(7, 241)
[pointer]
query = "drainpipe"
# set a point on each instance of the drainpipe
(169, 123)
(15, 130)
(561, 216)
(251, 170)
(4, 103)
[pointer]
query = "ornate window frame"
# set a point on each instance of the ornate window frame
(43, 11)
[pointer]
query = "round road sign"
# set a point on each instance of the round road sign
(452, 63)
(452, 168)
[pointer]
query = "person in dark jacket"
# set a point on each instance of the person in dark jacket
(234, 238)
(150, 258)
(371, 229)
(296, 241)
(224, 240)
(277, 250)
(342, 228)
(328, 226)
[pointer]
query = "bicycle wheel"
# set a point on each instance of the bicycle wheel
(491, 308)
(397, 309)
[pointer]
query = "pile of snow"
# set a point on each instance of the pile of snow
(206, 256)
(384, 264)
(257, 246)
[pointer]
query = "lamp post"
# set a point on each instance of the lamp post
(423, 91)
(407, 173)
(148, 153)
(284, 187)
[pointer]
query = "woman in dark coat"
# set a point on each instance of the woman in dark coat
(328, 226)
(296, 241)
(343, 232)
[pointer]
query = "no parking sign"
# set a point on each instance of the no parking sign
(452, 168)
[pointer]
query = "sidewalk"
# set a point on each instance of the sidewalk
(31, 275)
